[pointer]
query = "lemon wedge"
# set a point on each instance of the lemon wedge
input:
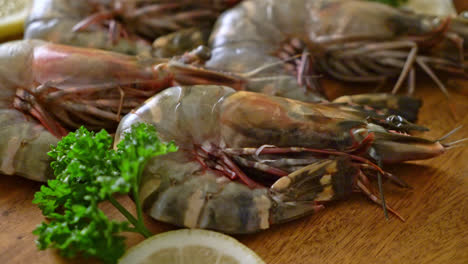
(12, 16)
(193, 246)
(432, 7)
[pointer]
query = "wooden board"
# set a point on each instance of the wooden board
(349, 231)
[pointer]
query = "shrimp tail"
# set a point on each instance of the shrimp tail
(303, 191)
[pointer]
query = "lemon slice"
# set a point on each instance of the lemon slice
(432, 7)
(12, 16)
(193, 246)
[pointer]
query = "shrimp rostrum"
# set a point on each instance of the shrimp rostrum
(48, 89)
(249, 160)
(355, 41)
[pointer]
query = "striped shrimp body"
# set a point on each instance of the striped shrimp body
(48, 89)
(355, 41)
(125, 26)
(248, 160)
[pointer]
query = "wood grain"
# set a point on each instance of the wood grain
(349, 231)
(461, 5)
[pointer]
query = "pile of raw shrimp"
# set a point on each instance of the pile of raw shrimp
(238, 86)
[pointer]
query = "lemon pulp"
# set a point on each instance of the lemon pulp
(12, 16)
(194, 246)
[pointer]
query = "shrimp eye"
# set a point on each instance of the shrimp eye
(396, 120)
(203, 52)
(463, 15)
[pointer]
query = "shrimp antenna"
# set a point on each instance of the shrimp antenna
(280, 77)
(455, 144)
(382, 196)
(364, 186)
(444, 137)
(268, 65)
(433, 76)
(270, 78)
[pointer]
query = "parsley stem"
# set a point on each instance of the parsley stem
(143, 230)
(139, 210)
(138, 206)
(138, 224)
(123, 211)
(135, 190)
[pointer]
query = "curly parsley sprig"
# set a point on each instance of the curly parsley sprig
(88, 172)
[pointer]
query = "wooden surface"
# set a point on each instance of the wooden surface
(349, 231)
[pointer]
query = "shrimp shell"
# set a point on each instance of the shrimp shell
(354, 41)
(225, 134)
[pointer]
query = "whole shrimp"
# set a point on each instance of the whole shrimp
(126, 26)
(355, 41)
(48, 89)
(248, 160)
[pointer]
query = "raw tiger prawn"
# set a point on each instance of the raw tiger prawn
(248, 160)
(350, 40)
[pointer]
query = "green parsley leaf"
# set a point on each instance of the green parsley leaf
(88, 172)
(137, 148)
